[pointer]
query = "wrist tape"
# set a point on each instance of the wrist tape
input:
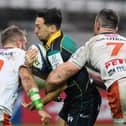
(35, 98)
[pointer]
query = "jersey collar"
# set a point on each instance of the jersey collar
(52, 38)
(107, 33)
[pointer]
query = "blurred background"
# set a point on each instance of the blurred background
(78, 20)
(78, 15)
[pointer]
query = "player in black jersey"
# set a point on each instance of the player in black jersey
(82, 103)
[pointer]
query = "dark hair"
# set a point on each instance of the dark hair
(11, 33)
(51, 16)
(108, 18)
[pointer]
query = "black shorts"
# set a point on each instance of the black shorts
(83, 114)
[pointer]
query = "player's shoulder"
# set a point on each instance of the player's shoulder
(12, 51)
(122, 37)
(18, 52)
(96, 38)
(68, 43)
(92, 40)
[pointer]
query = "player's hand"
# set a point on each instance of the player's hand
(29, 105)
(30, 56)
(45, 117)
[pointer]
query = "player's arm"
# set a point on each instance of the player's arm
(96, 77)
(97, 80)
(67, 69)
(32, 90)
(58, 76)
(50, 96)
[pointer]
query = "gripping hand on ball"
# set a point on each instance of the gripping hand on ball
(30, 56)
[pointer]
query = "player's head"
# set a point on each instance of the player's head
(14, 36)
(47, 22)
(105, 20)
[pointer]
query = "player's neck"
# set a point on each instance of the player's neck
(107, 30)
(9, 45)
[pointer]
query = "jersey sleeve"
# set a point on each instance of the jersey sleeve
(68, 47)
(80, 57)
(21, 59)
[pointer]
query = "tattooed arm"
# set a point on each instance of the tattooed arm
(32, 90)
(58, 76)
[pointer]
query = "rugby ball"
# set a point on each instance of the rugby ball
(40, 62)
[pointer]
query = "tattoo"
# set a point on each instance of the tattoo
(25, 78)
(26, 82)
(66, 74)
(58, 76)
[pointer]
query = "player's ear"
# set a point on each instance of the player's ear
(52, 28)
(18, 43)
(98, 25)
(116, 29)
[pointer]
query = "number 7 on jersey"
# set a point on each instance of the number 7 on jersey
(116, 47)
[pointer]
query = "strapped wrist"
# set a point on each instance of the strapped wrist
(35, 98)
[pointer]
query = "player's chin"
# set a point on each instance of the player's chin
(39, 37)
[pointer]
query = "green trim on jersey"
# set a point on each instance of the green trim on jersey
(68, 44)
(53, 52)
